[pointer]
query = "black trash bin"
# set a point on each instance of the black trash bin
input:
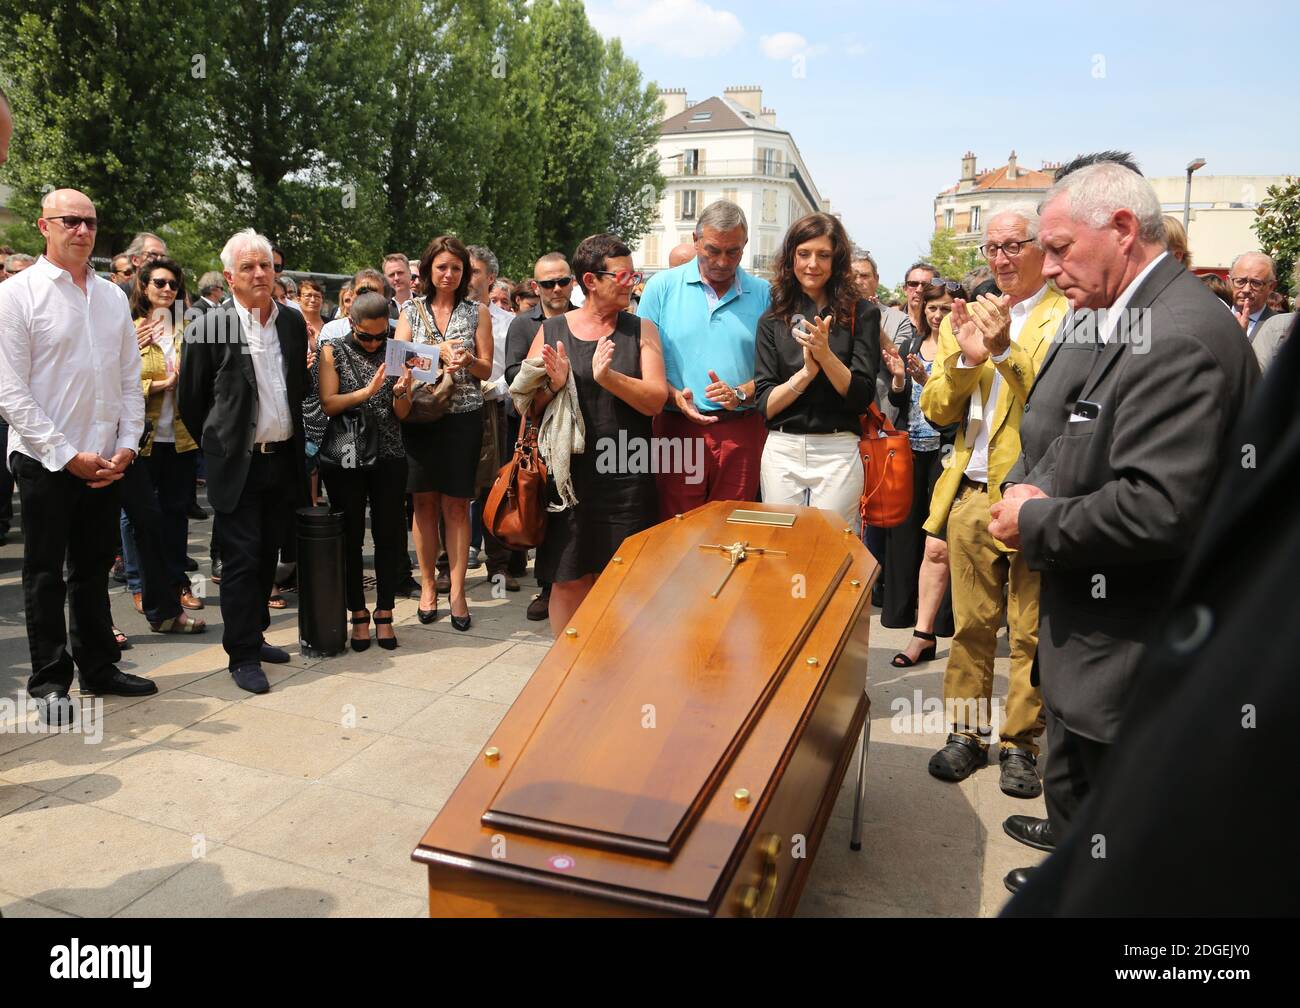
(322, 604)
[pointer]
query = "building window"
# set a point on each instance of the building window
(691, 162)
(769, 206)
(686, 200)
(974, 218)
(701, 117)
(768, 158)
(947, 219)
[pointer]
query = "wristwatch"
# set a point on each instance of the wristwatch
(741, 397)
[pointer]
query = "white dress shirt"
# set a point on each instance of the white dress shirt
(69, 366)
(980, 413)
(1112, 315)
(274, 422)
(165, 429)
(501, 320)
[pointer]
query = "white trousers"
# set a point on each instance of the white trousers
(817, 470)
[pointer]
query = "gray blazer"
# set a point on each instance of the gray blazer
(1128, 488)
(1269, 336)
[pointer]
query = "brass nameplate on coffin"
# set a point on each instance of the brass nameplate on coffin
(742, 517)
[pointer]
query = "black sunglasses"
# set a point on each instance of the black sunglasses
(366, 337)
(552, 284)
(952, 285)
(160, 283)
(72, 222)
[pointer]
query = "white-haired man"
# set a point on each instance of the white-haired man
(1105, 503)
(985, 364)
(70, 389)
(1252, 277)
(243, 381)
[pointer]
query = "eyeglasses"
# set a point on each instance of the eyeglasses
(952, 285)
(151, 256)
(160, 283)
(72, 222)
(914, 284)
(624, 278)
(1241, 282)
(990, 250)
(128, 272)
(552, 284)
(279, 267)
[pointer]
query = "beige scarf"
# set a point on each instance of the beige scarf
(561, 433)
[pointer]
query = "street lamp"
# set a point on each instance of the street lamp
(1187, 199)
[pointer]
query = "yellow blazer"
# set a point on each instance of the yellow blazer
(153, 368)
(946, 400)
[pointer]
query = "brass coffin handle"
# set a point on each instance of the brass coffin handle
(756, 901)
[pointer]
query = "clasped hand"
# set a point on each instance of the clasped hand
(1004, 516)
(97, 471)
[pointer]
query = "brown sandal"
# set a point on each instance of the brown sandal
(181, 624)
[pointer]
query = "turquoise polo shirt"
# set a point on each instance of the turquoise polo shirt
(702, 332)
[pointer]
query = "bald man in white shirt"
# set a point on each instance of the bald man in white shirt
(70, 388)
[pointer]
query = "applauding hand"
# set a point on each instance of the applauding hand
(556, 361)
(893, 362)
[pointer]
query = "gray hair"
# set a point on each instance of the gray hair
(721, 215)
(862, 255)
(503, 285)
(243, 241)
(290, 284)
(1027, 212)
(1273, 267)
(19, 259)
(484, 255)
(1096, 193)
(136, 248)
(210, 281)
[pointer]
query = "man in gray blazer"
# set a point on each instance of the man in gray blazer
(1145, 388)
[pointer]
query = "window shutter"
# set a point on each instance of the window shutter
(677, 205)
(699, 161)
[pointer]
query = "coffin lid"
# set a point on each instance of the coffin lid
(664, 690)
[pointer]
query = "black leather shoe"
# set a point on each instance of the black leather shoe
(195, 512)
(216, 572)
(1031, 832)
(273, 654)
(540, 607)
(1020, 774)
(410, 590)
(1016, 879)
(427, 616)
(957, 760)
(56, 709)
(119, 683)
(249, 676)
(191, 565)
(462, 623)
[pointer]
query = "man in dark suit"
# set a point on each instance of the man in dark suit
(1107, 512)
(243, 381)
(212, 292)
(1193, 818)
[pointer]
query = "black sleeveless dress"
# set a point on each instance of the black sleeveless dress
(612, 505)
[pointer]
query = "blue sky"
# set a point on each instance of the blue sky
(893, 94)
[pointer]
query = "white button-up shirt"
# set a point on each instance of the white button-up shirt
(981, 413)
(274, 421)
(69, 366)
(501, 320)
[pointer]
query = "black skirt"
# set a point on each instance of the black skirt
(442, 457)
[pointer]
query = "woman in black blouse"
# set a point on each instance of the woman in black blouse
(353, 377)
(817, 353)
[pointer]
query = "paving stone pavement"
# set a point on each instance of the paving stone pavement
(207, 801)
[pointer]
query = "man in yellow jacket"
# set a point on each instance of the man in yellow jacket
(989, 352)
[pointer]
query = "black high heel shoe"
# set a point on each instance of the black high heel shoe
(901, 660)
(387, 643)
(361, 645)
(462, 623)
(427, 616)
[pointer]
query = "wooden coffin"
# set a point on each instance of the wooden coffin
(674, 753)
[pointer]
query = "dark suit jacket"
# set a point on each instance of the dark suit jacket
(1128, 489)
(218, 396)
(519, 337)
(1197, 801)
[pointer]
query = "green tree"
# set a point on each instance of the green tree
(1277, 223)
(105, 100)
(297, 97)
(631, 117)
(952, 261)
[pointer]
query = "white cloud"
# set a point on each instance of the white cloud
(783, 45)
(683, 28)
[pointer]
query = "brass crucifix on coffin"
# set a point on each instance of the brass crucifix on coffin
(737, 551)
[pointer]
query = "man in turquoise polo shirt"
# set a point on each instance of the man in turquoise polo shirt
(707, 311)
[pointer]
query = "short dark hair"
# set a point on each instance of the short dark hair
(277, 251)
(920, 264)
(593, 252)
(140, 306)
(367, 307)
(524, 290)
(1098, 157)
(441, 244)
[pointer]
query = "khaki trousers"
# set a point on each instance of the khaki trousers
(980, 571)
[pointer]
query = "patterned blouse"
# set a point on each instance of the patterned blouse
(355, 368)
(462, 328)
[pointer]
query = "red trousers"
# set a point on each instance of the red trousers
(732, 451)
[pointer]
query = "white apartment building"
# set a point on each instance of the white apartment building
(727, 148)
(1223, 208)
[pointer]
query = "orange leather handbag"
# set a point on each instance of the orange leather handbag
(516, 505)
(887, 471)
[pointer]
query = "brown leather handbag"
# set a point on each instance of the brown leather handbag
(887, 471)
(516, 505)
